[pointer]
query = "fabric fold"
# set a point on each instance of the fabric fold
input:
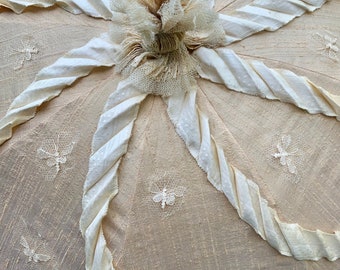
(242, 192)
(264, 15)
(50, 81)
(255, 78)
(97, 9)
(109, 144)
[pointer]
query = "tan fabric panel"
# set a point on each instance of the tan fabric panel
(201, 230)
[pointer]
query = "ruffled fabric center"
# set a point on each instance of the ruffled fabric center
(156, 39)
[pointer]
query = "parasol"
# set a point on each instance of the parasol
(175, 116)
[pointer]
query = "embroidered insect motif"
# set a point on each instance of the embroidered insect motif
(284, 155)
(329, 47)
(168, 196)
(31, 253)
(54, 154)
(25, 52)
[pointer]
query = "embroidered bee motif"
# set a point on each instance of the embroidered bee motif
(329, 47)
(286, 156)
(25, 53)
(168, 196)
(31, 253)
(55, 154)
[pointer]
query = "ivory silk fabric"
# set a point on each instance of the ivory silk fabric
(41, 194)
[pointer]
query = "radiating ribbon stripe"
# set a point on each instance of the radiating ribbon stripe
(109, 144)
(264, 15)
(192, 125)
(18, 6)
(94, 8)
(255, 78)
(50, 81)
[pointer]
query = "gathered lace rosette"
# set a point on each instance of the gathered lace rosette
(161, 47)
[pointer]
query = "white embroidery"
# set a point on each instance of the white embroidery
(285, 154)
(24, 52)
(168, 197)
(55, 154)
(168, 191)
(31, 253)
(328, 42)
